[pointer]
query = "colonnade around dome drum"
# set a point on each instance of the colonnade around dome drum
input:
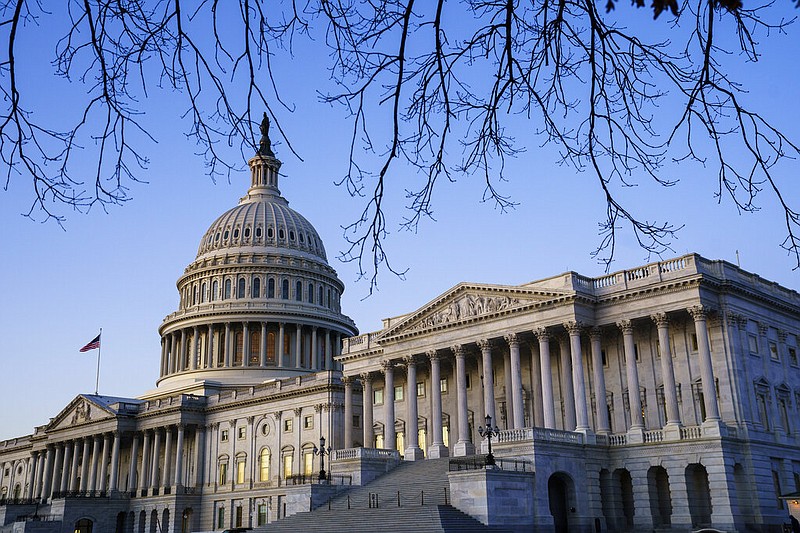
(254, 344)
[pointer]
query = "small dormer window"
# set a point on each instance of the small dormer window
(281, 234)
(291, 235)
(302, 238)
(225, 235)
(258, 232)
(270, 233)
(247, 232)
(236, 233)
(216, 239)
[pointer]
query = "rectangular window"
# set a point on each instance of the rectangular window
(308, 422)
(238, 516)
(636, 352)
(240, 470)
(421, 389)
(469, 381)
(773, 351)
(308, 463)
(377, 397)
(603, 357)
(241, 432)
(398, 393)
(776, 481)
(262, 514)
(753, 343)
(287, 466)
(223, 473)
(220, 517)
(694, 342)
(356, 421)
(223, 436)
(443, 385)
(792, 356)
(287, 425)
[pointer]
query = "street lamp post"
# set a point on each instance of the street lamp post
(488, 433)
(322, 452)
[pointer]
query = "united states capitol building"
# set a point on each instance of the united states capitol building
(665, 397)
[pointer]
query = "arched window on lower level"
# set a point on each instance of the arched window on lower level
(263, 465)
(271, 288)
(285, 289)
(227, 294)
(214, 290)
(298, 291)
(256, 287)
(240, 288)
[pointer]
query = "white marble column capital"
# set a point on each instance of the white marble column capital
(573, 327)
(542, 334)
(660, 319)
(511, 339)
(625, 325)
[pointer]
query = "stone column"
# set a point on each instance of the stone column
(179, 456)
(95, 462)
(667, 371)
(488, 378)
(245, 343)
(262, 349)
(635, 402)
(366, 400)
(298, 346)
(84, 485)
(578, 383)
(40, 474)
(537, 416)
(437, 448)
(33, 474)
(104, 463)
(281, 347)
(412, 452)
(55, 483)
(464, 446)
(389, 435)
(348, 411)
(199, 454)
(73, 471)
(155, 463)
(114, 482)
(193, 348)
(601, 410)
(314, 351)
(328, 351)
(508, 423)
(144, 477)
(66, 470)
(173, 353)
(164, 364)
(516, 381)
(166, 477)
(133, 475)
(548, 401)
(47, 476)
(227, 346)
(211, 355)
(699, 314)
(567, 390)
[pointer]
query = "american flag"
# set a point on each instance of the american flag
(93, 344)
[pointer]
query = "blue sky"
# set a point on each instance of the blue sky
(117, 270)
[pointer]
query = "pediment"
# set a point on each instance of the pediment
(466, 302)
(80, 411)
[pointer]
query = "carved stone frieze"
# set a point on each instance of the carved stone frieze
(468, 306)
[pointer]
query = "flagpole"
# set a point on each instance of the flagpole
(97, 381)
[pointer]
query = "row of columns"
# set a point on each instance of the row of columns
(573, 386)
(92, 463)
(181, 350)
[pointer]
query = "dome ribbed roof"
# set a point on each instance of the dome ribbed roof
(262, 221)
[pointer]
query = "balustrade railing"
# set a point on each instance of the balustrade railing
(364, 453)
(655, 435)
(478, 462)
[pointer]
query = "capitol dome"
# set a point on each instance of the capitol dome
(260, 300)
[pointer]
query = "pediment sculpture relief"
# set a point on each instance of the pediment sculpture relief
(82, 413)
(468, 306)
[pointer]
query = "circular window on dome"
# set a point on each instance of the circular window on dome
(258, 232)
(270, 233)
(225, 235)
(247, 232)
(291, 235)
(302, 238)
(236, 233)
(281, 235)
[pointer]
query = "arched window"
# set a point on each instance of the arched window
(84, 525)
(255, 347)
(270, 348)
(214, 290)
(298, 291)
(240, 288)
(311, 293)
(285, 289)
(263, 465)
(271, 288)
(203, 293)
(227, 289)
(256, 287)
(238, 348)
(329, 299)
(321, 295)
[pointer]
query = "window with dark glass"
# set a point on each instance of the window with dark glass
(227, 289)
(240, 288)
(298, 291)
(271, 288)
(285, 289)
(311, 293)
(256, 287)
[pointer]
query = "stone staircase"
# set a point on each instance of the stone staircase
(412, 497)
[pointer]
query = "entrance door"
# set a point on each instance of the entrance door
(557, 493)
